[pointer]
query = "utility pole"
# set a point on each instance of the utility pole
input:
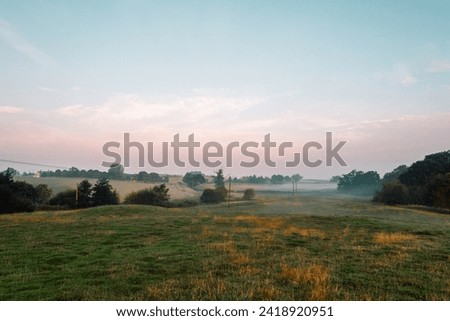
(229, 191)
(76, 197)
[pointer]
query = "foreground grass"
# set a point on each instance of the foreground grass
(272, 249)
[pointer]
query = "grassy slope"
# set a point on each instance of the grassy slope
(275, 248)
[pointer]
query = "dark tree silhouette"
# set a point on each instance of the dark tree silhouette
(103, 193)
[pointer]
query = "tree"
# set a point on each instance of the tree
(276, 179)
(154, 177)
(193, 179)
(115, 171)
(335, 179)
(395, 174)
(420, 172)
(249, 194)
(64, 199)
(219, 179)
(73, 172)
(211, 196)
(296, 178)
(43, 193)
(392, 193)
(358, 179)
(438, 191)
(84, 194)
(103, 193)
(16, 196)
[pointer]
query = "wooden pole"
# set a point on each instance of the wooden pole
(229, 191)
(76, 197)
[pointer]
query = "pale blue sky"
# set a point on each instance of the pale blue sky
(75, 74)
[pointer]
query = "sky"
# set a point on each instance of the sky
(75, 75)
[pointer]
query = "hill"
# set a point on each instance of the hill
(274, 248)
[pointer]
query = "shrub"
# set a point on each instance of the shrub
(64, 199)
(393, 193)
(223, 193)
(212, 196)
(158, 195)
(249, 194)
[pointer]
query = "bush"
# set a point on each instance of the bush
(249, 194)
(212, 196)
(158, 195)
(64, 199)
(223, 193)
(393, 193)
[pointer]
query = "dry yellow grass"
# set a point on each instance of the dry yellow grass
(261, 222)
(241, 259)
(315, 275)
(37, 218)
(392, 238)
(209, 287)
(391, 259)
(206, 232)
(227, 247)
(165, 291)
(249, 270)
(304, 232)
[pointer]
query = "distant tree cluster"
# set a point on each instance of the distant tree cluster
(359, 182)
(193, 179)
(425, 182)
(253, 179)
(115, 172)
(18, 196)
(152, 177)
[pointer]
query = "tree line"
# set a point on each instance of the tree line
(425, 182)
(193, 179)
(115, 172)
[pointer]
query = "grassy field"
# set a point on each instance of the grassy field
(274, 248)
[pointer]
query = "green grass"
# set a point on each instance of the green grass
(276, 248)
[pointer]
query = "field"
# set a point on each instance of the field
(277, 247)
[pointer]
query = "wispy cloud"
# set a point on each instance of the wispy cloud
(10, 110)
(47, 89)
(439, 66)
(20, 43)
(403, 75)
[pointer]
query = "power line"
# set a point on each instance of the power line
(34, 164)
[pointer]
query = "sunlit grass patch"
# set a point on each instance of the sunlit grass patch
(393, 238)
(207, 288)
(304, 232)
(316, 276)
(261, 222)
